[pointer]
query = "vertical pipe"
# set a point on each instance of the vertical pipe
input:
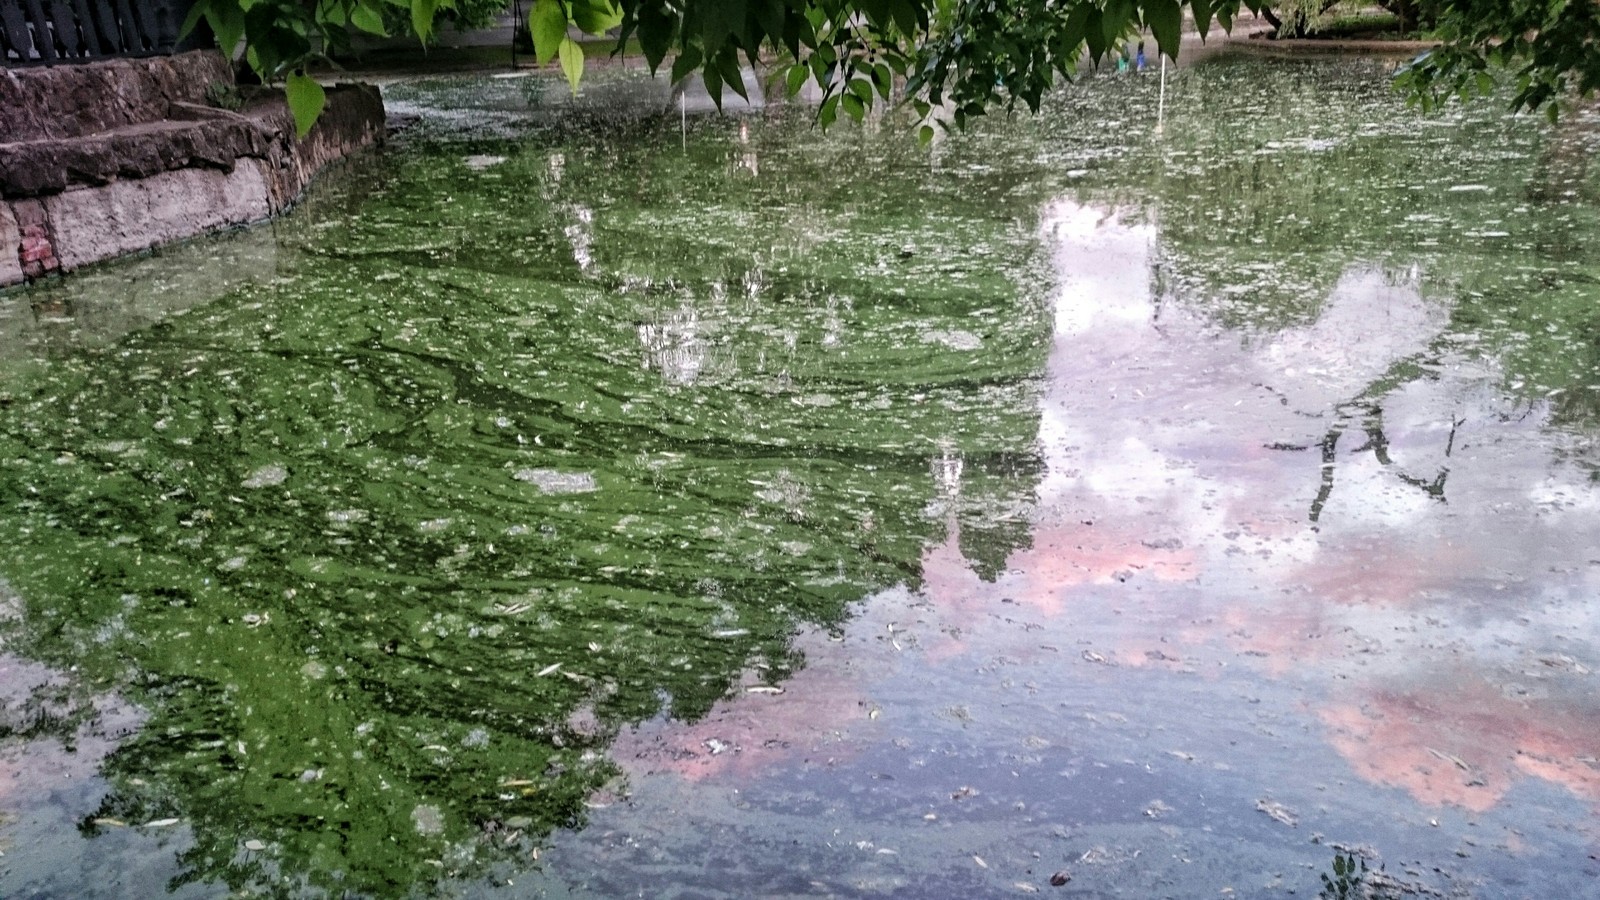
(1161, 98)
(516, 29)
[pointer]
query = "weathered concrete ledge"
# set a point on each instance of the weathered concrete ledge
(115, 157)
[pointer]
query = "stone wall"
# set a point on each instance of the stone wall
(119, 156)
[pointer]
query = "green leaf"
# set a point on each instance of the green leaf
(306, 100)
(1094, 36)
(876, 11)
(1114, 19)
(687, 62)
(192, 19)
(769, 16)
(797, 78)
(925, 135)
(226, 19)
(713, 82)
(368, 19)
(883, 78)
(1074, 31)
(853, 106)
(906, 15)
(334, 14)
(718, 20)
(548, 23)
(571, 54)
(828, 112)
(728, 68)
(1165, 19)
(596, 16)
(657, 28)
(1202, 15)
(422, 17)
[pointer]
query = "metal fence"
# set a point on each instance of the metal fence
(35, 32)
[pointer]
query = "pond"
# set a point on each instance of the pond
(574, 501)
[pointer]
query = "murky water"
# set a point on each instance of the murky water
(563, 506)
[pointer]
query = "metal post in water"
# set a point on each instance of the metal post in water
(1161, 97)
(516, 26)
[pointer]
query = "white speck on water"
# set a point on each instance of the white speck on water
(267, 476)
(551, 481)
(955, 340)
(1464, 188)
(432, 525)
(480, 161)
(428, 819)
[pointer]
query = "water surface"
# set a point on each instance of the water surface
(562, 505)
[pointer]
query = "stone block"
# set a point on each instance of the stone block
(10, 246)
(115, 157)
(55, 102)
(133, 215)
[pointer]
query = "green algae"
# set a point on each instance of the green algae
(390, 545)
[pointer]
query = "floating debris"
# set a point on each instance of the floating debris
(551, 481)
(955, 340)
(428, 819)
(267, 476)
(1278, 812)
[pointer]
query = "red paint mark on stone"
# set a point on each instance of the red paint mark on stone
(36, 249)
(36, 252)
(38, 256)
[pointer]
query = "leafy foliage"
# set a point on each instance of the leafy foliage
(1547, 48)
(951, 59)
(1349, 879)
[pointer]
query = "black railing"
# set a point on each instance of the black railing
(34, 32)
